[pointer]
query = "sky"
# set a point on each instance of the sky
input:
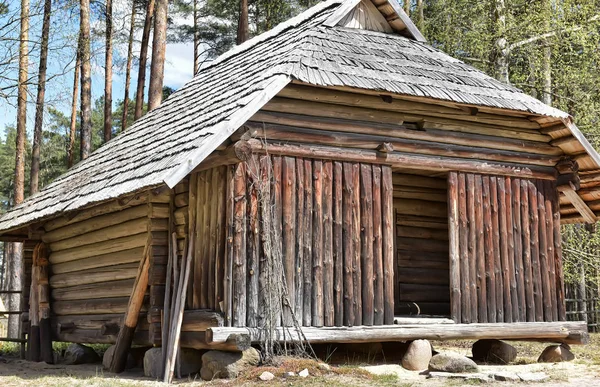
(178, 65)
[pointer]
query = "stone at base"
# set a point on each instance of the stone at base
(417, 356)
(80, 354)
(266, 376)
(108, 355)
(471, 376)
(533, 376)
(556, 354)
(453, 363)
(303, 373)
(494, 351)
(190, 360)
(227, 365)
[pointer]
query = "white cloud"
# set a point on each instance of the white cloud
(179, 64)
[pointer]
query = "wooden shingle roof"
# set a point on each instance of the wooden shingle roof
(166, 144)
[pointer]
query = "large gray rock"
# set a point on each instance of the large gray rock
(190, 362)
(453, 363)
(227, 365)
(108, 355)
(556, 354)
(417, 356)
(80, 354)
(494, 351)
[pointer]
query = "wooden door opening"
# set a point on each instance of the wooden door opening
(422, 249)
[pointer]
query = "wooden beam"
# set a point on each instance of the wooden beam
(562, 332)
(130, 320)
(585, 211)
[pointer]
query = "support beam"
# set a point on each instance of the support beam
(560, 332)
(585, 211)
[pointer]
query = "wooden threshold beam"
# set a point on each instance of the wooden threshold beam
(581, 206)
(561, 332)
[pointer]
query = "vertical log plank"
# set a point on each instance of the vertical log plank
(239, 247)
(526, 233)
(518, 251)
(488, 252)
(307, 250)
(454, 242)
(465, 288)
(535, 251)
(253, 234)
(503, 266)
(204, 234)
(338, 245)
(559, 279)
(317, 286)
(513, 303)
(266, 167)
(480, 248)
(299, 274)
(379, 307)
(543, 244)
(472, 247)
(388, 220)
(328, 277)
(548, 194)
(288, 177)
(277, 210)
(348, 254)
(193, 301)
(212, 241)
(229, 229)
(356, 264)
(221, 237)
(366, 242)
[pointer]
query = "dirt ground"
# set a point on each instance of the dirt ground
(347, 370)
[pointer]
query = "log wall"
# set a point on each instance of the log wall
(332, 230)
(505, 256)
(422, 271)
(94, 260)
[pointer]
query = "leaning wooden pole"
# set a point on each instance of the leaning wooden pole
(125, 337)
(175, 332)
(33, 339)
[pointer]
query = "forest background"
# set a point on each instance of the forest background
(75, 73)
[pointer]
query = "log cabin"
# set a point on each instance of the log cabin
(404, 193)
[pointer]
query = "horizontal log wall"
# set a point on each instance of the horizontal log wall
(422, 275)
(505, 258)
(94, 261)
(332, 229)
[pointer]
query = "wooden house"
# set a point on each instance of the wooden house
(386, 178)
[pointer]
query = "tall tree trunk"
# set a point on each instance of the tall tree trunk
(128, 70)
(159, 46)
(196, 38)
(141, 83)
(243, 33)
(108, 74)
(407, 6)
(420, 15)
(546, 54)
(39, 106)
(86, 81)
(500, 49)
(19, 181)
(73, 126)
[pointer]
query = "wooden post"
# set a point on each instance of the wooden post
(472, 247)
(503, 265)
(388, 242)
(307, 237)
(535, 251)
(518, 251)
(513, 303)
(299, 263)
(328, 278)
(254, 227)
(366, 249)
(560, 285)
(356, 264)
(454, 241)
(33, 342)
(526, 234)
(125, 337)
(488, 252)
(379, 306)
(543, 245)
(288, 194)
(465, 288)
(40, 258)
(239, 247)
(479, 240)
(348, 245)
(338, 244)
(317, 285)
(548, 193)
